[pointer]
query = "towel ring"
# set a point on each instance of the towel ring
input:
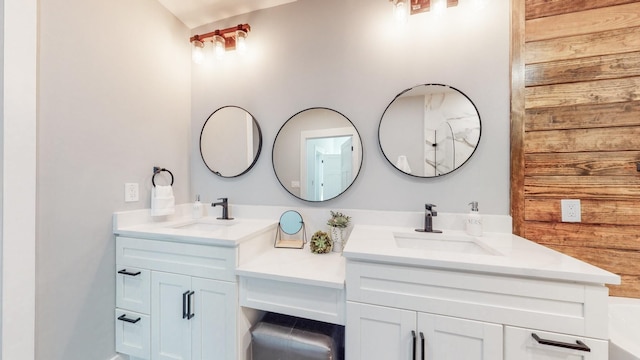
(156, 171)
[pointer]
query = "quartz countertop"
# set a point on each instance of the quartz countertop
(208, 231)
(298, 266)
(506, 254)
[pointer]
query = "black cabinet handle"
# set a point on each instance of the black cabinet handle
(125, 272)
(422, 345)
(184, 304)
(579, 345)
(124, 318)
(190, 313)
(413, 335)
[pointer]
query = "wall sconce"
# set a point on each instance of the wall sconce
(403, 8)
(221, 41)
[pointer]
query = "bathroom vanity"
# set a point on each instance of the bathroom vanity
(454, 296)
(190, 289)
(176, 287)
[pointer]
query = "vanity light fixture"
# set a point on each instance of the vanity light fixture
(197, 51)
(233, 38)
(419, 6)
(400, 11)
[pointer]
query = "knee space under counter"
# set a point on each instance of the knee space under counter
(279, 336)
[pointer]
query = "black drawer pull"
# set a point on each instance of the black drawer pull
(579, 345)
(124, 318)
(413, 335)
(185, 312)
(190, 313)
(422, 345)
(125, 272)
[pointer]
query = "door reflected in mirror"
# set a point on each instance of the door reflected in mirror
(317, 154)
(230, 141)
(429, 130)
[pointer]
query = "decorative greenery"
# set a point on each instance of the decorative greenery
(338, 220)
(320, 243)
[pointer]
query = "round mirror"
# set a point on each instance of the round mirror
(317, 154)
(230, 141)
(291, 222)
(429, 130)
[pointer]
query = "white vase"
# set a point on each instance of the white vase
(337, 237)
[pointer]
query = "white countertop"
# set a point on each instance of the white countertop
(509, 255)
(298, 266)
(226, 233)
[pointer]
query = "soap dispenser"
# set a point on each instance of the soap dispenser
(197, 208)
(474, 220)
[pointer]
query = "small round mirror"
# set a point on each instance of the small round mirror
(291, 222)
(429, 130)
(317, 154)
(230, 141)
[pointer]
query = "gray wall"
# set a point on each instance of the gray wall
(114, 100)
(1, 147)
(351, 57)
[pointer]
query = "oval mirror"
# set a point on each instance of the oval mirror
(429, 130)
(317, 154)
(291, 222)
(230, 141)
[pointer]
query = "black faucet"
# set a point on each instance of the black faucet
(429, 213)
(225, 208)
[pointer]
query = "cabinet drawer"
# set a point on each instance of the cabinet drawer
(303, 300)
(212, 262)
(133, 289)
(519, 344)
(563, 307)
(133, 334)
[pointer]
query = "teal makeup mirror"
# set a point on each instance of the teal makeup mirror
(289, 228)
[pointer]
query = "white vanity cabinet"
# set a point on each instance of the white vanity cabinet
(179, 300)
(469, 315)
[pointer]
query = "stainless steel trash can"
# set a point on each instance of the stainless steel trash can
(281, 337)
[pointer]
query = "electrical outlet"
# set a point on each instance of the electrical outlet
(131, 192)
(571, 211)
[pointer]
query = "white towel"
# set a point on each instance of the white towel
(162, 200)
(403, 164)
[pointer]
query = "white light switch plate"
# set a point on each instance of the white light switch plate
(571, 211)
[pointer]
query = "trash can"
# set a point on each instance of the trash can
(283, 337)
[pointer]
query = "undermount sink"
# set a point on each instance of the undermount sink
(204, 226)
(460, 244)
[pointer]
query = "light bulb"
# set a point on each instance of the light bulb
(218, 42)
(438, 6)
(241, 42)
(197, 52)
(401, 12)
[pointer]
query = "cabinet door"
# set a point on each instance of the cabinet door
(133, 289)
(170, 331)
(521, 345)
(214, 319)
(132, 334)
(379, 333)
(448, 338)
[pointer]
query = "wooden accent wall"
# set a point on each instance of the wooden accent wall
(576, 129)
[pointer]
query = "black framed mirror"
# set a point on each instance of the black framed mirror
(230, 141)
(317, 154)
(429, 130)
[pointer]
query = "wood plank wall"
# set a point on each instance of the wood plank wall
(576, 129)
